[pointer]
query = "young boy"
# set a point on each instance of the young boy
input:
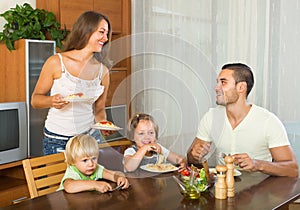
(83, 170)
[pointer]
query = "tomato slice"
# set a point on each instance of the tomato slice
(185, 172)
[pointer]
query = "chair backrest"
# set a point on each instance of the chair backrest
(44, 174)
(111, 158)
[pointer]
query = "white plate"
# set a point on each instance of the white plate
(144, 167)
(108, 128)
(235, 172)
(83, 99)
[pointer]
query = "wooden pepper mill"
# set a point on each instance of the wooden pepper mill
(220, 186)
(229, 176)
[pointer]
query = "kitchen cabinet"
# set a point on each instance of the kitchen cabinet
(117, 88)
(17, 67)
(70, 10)
(67, 11)
(13, 186)
(12, 73)
(19, 72)
(119, 14)
(113, 10)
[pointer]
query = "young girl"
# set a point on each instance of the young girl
(83, 171)
(143, 130)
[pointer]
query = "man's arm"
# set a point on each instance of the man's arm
(284, 162)
(197, 151)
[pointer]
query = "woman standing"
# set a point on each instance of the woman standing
(82, 69)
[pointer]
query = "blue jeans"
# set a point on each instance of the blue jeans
(54, 143)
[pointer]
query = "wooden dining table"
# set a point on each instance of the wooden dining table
(160, 191)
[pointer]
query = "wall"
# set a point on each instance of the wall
(179, 48)
(6, 5)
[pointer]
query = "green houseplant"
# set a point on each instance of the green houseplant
(24, 22)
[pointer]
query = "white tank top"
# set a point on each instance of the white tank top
(74, 118)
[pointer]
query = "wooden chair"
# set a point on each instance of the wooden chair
(43, 174)
(111, 158)
(111, 154)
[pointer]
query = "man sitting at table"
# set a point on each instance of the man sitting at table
(254, 136)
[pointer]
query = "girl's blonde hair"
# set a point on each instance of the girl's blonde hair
(134, 121)
(81, 146)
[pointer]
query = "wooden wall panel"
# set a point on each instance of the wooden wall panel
(12, 73)
(70, 10)
(113, 10)
(117, 78)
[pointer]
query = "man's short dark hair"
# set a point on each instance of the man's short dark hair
(242, 73)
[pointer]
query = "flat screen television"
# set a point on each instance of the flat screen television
(118, 115)
(13, 132)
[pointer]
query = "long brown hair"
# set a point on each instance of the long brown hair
(86, 24)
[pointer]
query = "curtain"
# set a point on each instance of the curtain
(178, 48)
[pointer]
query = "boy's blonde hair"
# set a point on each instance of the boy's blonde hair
(81, 146)
(134, 121)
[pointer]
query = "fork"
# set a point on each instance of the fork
(161, 159)
(116, 188)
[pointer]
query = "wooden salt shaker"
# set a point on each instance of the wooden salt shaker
(220, 186)
(229, 175)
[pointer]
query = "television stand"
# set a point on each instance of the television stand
(13, 186)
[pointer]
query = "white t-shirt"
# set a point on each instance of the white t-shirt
(74, 118)
(259, 131)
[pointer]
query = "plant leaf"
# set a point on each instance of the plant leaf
(24, 22)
